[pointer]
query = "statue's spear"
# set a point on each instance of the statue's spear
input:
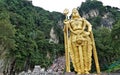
(95, 53)
(67, 57)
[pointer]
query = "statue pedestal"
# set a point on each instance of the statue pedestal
(69, 73)
(73, 73)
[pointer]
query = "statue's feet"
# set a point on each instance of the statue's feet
(87, 73)
(68, 71)
(78, 73)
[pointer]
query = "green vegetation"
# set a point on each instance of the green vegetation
(115, 66)
(92, 4)
(25, 33)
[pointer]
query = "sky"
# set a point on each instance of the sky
(60, 5)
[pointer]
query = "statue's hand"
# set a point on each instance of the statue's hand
(66, 21)
(87, 33)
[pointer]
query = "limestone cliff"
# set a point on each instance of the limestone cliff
(53, 36)
(91, 13)
(98, 14)
(106, 19)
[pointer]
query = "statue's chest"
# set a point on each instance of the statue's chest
(76, 24)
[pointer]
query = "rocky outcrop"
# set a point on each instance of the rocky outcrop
(107, 20)
(1, 65)
(91, 13)
(53, 36)
(39, 71)
(60, 24)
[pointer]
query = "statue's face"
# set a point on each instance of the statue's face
(75, 13)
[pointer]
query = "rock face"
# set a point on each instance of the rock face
(53, 36)
(91, 13)
(106, 19)
(39, 71)
(60, 24)
(1, 65)
(36, 70)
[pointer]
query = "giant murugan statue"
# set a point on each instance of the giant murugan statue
(79, 43)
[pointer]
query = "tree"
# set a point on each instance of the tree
(116, 35)
(105, 51)
(7, 42)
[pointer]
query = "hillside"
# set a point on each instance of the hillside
(25, 33)
(31, 36)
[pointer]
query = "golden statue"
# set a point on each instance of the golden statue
(79, 43)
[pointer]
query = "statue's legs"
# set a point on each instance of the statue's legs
(76, 60)
(85, 57)
(89, 56)
(81, 59)
(72, 56)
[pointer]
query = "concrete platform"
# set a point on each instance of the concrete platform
(72, 73)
